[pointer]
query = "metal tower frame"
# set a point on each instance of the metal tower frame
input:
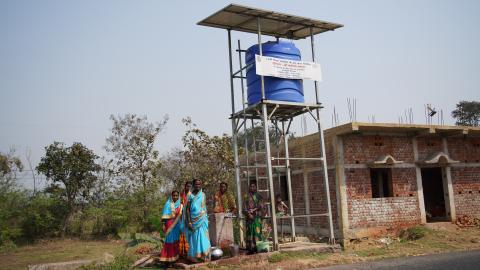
(279, 25)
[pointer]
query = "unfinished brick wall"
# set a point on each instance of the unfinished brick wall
(465, 150)
(428, 146)
(318, 202)
(466, 189)
(309, 146)
(358, 184)
(394, 211)
(360, 149)
(365, 211)
(359, 152)
(404, 182)
(466, 178)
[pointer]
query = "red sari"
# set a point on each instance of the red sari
(172, 214)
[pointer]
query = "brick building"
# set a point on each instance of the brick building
(385, 176)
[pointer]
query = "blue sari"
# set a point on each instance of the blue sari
(172, 213)
(198, 239)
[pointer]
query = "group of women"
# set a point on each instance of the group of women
(186, 225)
(186, 222)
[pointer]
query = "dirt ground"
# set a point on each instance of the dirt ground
(436, 239)
(57, 251)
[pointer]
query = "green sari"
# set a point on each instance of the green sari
(253, 205)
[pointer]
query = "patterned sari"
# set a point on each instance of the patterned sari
(253, 205)
(183, 242)
(224, 203)
(172, 213)
(198, 239)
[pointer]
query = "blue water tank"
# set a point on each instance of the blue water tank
(275, 88)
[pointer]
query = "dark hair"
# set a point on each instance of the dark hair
(188, 182)
(278, 196)
(224, 183)
(195, 180)
(174, 191)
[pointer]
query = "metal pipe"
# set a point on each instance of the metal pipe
(241, 69)
(322, 149)
(244, 112)
(267, 148)
(295, 216)
(234, 138)
(289, 124)
(240, 126)
(262, 166)
(273, 111)
(260, 49)
(303, 216)
(289, 182)
(254, 152)
(306, 159)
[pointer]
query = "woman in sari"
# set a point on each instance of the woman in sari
(183, 242)
(171, 216)
(198, 238)
(252, 209)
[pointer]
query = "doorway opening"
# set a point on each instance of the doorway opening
(434, 195)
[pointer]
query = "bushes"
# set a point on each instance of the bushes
(11, 215)
(104, 220)
(115, 215)
(42, 217)
(25, 217)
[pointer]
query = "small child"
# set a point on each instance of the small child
(281, 207)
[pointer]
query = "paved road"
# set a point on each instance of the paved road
(448, 261)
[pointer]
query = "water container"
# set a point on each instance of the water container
(275, 88)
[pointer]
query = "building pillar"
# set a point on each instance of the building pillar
(341, 190)
(447, 185)
(418, 173)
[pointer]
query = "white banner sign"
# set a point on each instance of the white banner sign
(287, 69)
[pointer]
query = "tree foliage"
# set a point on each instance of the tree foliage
(23, 216)
(256, 133)
(208, 158)
(467, 113)
(135, 162)
(174, 170)
(10, 166)
(11, 198)
(71, 172)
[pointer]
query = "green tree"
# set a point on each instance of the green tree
(174, 170)
(12, 198)
(209, 158)
(10, 166)
(136, 163)
(467, 113)
(72, 173)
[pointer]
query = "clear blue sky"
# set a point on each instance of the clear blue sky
(65, 66)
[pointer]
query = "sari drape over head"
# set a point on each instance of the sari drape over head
(198, 238)
(171, 214)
